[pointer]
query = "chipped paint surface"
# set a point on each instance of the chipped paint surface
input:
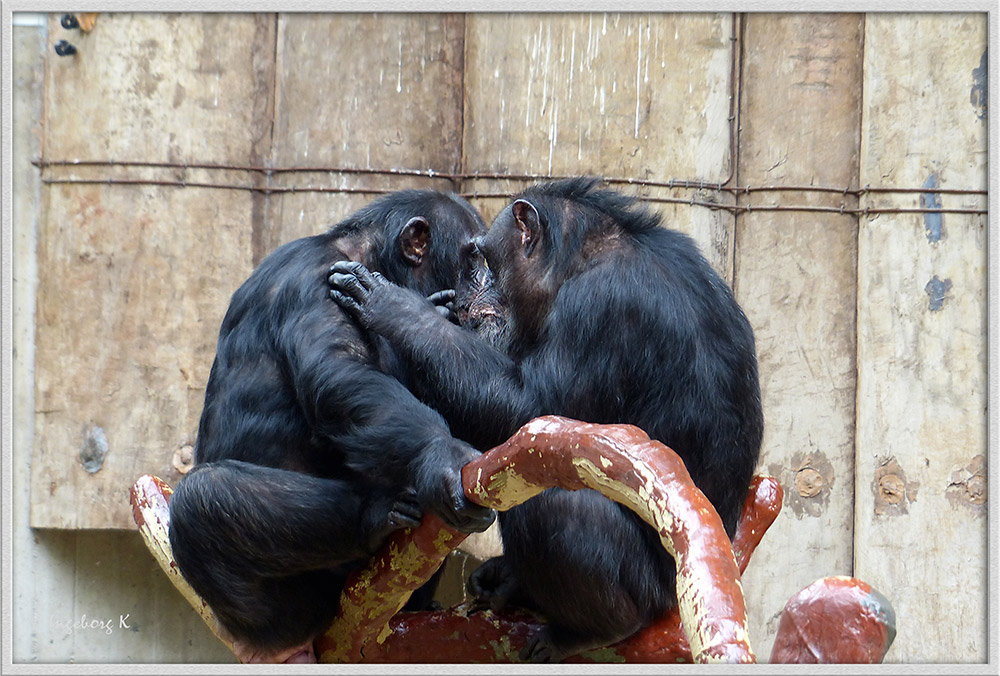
(980, 81)
(933, 222)
(968, 486)
(709, 593)
(150, 500)
(937, 290)
(95, 449)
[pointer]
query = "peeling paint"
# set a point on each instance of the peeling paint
(933, 223)
(937, 289)
(95, 449)
(978, 97)
(967, 487)
(808, 480)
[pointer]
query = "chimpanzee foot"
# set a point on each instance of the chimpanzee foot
(549, 646)
(405, 512)
(300, 654)
(493, 584)
(385, 516)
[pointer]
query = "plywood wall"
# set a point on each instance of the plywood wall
(795, 277)
(870, 326)
(920, 464)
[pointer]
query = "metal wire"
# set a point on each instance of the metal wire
(715, 206)
(720, 187)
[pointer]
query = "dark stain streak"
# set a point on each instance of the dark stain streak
(937, 289)
(978, 97)
(933, 223)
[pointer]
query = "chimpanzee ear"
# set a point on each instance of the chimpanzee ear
(527, 221)
(415, 240)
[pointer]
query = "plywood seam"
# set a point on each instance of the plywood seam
(857, 297)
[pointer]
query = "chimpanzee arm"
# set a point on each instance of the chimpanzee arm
(461, 375)
(381, 428)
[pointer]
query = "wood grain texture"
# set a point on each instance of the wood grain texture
(639, 95)
(795, 278)
(371, 91)
(133, 281)
(921, 441)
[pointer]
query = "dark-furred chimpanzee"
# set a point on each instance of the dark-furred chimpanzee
(310, 449)
(615, 319)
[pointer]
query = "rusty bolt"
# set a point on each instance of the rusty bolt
(808, 482)
(184, 458)
(891, 488)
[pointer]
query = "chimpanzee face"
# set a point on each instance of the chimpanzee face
(479, 304)
(508, 267)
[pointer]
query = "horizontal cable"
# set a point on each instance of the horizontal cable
(477, 175)
(734, 209)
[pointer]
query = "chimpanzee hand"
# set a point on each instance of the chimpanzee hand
(493, 584)
(367, 295)
(385, 514)
(444, 303)
(439, 484)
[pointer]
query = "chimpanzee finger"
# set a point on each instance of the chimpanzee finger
(349, 284)
(352, 306)
(469, 517)
(442, 297)
(363, 275)
(403, 517)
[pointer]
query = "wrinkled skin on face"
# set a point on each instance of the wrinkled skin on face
(479, 304)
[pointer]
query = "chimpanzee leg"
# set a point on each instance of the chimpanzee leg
(269, 549)
(558, 543)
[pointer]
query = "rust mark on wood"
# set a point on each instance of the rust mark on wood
(810, 479)
(183, 459)
(968, 488)
(892, 492)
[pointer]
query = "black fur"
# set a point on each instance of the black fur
(614, 319)
(310, 448)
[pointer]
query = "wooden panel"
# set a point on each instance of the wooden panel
(921, 443)
(372, 91)
(795, 278)
(628, 95)
(133, 281)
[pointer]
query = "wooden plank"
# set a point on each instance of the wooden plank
(921, 413)
(362, 91)
(795, 278)
(629, 95)
(133, 281)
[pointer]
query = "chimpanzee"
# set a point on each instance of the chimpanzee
(614, 319)
(310, 448)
